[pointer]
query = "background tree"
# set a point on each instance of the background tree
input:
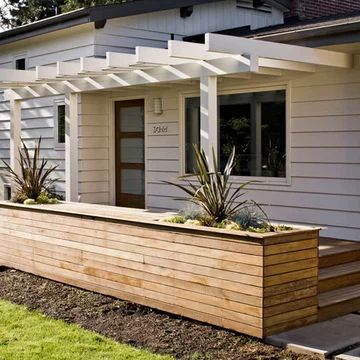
(19, 12)
(14, 13)
(77, 4)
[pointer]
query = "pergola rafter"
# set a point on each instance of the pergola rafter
(221, 55)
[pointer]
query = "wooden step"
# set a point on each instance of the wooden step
(338, 276)
(339, 302)
(335, 252)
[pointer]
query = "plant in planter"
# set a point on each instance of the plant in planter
(33, 183)
(220, 202)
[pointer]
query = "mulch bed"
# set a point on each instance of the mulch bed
(133, 324)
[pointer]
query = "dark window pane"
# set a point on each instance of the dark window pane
(273, 139)
(20, 64)
(255, 124)
(192, 131)
(61, 123)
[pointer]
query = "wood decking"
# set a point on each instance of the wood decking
(339, 278)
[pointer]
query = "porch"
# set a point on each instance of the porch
(226, 70)
(256, 284)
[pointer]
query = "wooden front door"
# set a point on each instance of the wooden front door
(129, 156)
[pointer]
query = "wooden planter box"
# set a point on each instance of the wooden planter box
(256, 284)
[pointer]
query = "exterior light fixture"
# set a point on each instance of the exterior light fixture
(157, 106)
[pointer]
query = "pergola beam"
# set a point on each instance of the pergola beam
(236, 45)
(92, 65)
(17, 76)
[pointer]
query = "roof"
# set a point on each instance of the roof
(99, 14)
(322, 31)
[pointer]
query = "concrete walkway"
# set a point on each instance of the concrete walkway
(325, 339)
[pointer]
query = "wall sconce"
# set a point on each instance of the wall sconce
(157, 106)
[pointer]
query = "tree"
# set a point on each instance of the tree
(19, 12)
(14, 13)
(77, 4)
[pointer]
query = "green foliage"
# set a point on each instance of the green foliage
(191, 212)
(176, 219)
(77, 4)
(28, 335)
(284, 228)
(14, 13)
(30, 202)
(213, 190)
(19, 12)
(42, 198)
(228, 225)
(34, 178)
(250, 216)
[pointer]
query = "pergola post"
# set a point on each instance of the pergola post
(15, 131)
(208, 115)
(71, 146)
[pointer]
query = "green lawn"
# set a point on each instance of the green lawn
(27, 335)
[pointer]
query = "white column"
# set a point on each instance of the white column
(15, 130)
(208, 115)
(71, 147)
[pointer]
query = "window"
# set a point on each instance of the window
(254, 4)
(255, 123)
(20, 64)
(59, 124)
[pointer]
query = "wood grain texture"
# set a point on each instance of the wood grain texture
(220, 277)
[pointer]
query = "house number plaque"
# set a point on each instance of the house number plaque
(160, 129)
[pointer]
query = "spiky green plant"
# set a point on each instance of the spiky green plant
(34, 175)
(213, 191)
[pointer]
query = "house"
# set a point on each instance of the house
(119, 98)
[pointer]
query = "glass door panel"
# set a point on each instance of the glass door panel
(130, 167)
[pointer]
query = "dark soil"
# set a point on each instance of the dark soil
(133, 324)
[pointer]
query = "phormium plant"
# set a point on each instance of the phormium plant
(213, 191)
(33, 179)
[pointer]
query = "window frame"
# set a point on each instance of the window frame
(259, 181)
(18, 57)
(57, 144)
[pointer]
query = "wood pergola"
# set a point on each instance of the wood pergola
(221, 55)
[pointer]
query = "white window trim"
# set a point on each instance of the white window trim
(20, 56)
(57, 146)
(259, 181)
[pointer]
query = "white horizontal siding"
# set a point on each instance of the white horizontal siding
(4, 141)
(94, 157)
(324, 187)
(155, 29)
(37, 119)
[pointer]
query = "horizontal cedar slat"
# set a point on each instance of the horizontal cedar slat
(233, 300)
(142, 288)
(278, 328)
(290, 306)
(290, 296)
(219, 283)
(197, 269)
(288, 257)
(215, 320)
(289, 247)
(290, 266)
(98, 227)
(290, 287)
(117, 240)
(290, 276)
(252, 283)
(290, 316)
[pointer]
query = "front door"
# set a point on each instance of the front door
(129, 156)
